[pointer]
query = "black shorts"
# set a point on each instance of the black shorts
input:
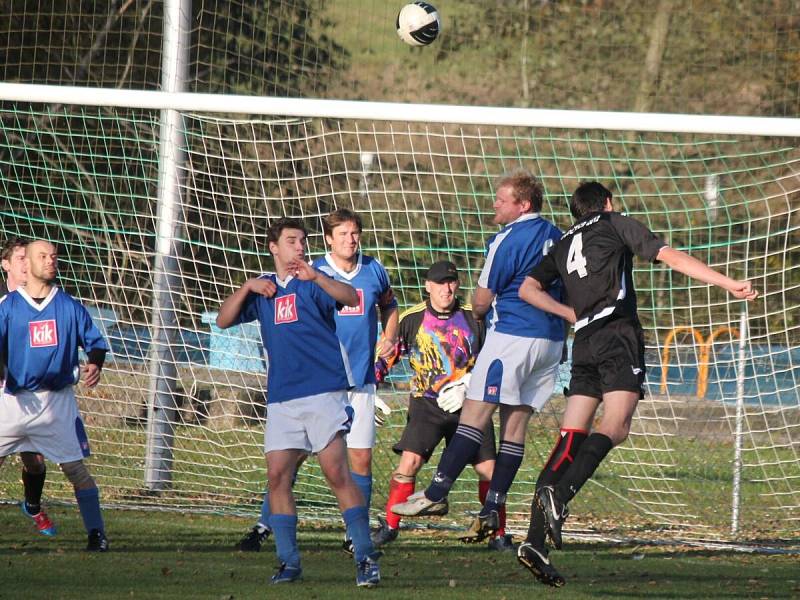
(427, 425)
(609, 359)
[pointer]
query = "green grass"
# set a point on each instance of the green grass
(167, 555)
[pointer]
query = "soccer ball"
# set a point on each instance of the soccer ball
(418, 23)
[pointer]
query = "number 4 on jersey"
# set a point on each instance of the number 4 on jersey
(576, 261)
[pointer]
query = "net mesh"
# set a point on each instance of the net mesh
(87, 178)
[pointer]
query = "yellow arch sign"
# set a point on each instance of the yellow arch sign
(705, 354)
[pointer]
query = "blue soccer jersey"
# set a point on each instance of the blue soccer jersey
(510, 255)
(299, 334)
(40, 341)
(357, 327)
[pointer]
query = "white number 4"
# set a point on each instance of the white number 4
(576, 261)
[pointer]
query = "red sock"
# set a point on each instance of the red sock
(483, 490)
(399, 491)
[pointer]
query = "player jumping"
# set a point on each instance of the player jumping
(594, 260)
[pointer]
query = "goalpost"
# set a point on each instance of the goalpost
(714, 450)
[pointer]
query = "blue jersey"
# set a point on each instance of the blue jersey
(357, 327)
(510, 255)
(40, 341)
(299, 334)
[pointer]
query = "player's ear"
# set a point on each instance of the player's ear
(428, 287)
(608, 207)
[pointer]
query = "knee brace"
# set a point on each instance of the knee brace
(78, 474)
(32, 463)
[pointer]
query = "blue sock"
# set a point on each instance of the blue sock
(459, 453)
(356, 522)
(263, 520)
(364, 483)
(284, 530)
(89, 505)
(509, 460)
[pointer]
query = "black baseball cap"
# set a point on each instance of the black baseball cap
(442, 271)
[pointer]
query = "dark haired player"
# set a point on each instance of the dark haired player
(594, 260)
(357, 328)
(307, 407)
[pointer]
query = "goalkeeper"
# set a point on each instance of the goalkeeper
(442, 340)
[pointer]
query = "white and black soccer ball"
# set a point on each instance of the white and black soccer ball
(418, 23)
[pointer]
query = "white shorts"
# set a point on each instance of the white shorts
(308, 424)
(46, 422)
(517, 371)
(362, 433)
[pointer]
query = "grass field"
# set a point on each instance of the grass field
(168, 555)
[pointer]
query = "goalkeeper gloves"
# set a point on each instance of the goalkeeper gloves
(382, 411)
(451, 396)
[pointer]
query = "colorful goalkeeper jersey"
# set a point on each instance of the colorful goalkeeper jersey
(510, 255)
(357, 327)
(39, 340)
(441, 346)
(299, 334)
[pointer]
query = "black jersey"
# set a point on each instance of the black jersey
(594, 260)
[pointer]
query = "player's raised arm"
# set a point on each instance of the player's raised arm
(232, 307)
(342, 292)
(688, 265)
(532, 292)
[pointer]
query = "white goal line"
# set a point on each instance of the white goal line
(396, 111)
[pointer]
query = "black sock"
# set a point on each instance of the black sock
(567, 445)
(459, 453)
(33, 484)
(508, 462)
(590, 455)
(536, 526)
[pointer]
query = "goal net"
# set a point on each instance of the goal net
(715, 444)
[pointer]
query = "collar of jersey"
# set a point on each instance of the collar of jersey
(45, 302)
(284, 283)
(525, 217)
(446, 314)
(338, 271)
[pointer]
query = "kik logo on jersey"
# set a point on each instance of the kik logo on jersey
(43, 333)
(286, 309)
(354, 311)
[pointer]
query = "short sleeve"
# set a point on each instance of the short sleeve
(642, 242)
(497, 272)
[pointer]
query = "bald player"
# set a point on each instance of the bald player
(41, 329)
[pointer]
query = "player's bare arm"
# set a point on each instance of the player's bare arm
(532, 292)
(343, 293)
(390, 317)
(230, 309)
(482, 300)
(688, 265)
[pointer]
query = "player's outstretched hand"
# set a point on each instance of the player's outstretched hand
(91, 374)
(743, 290)
(302, 270)
(382, 411)
(265, 287)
